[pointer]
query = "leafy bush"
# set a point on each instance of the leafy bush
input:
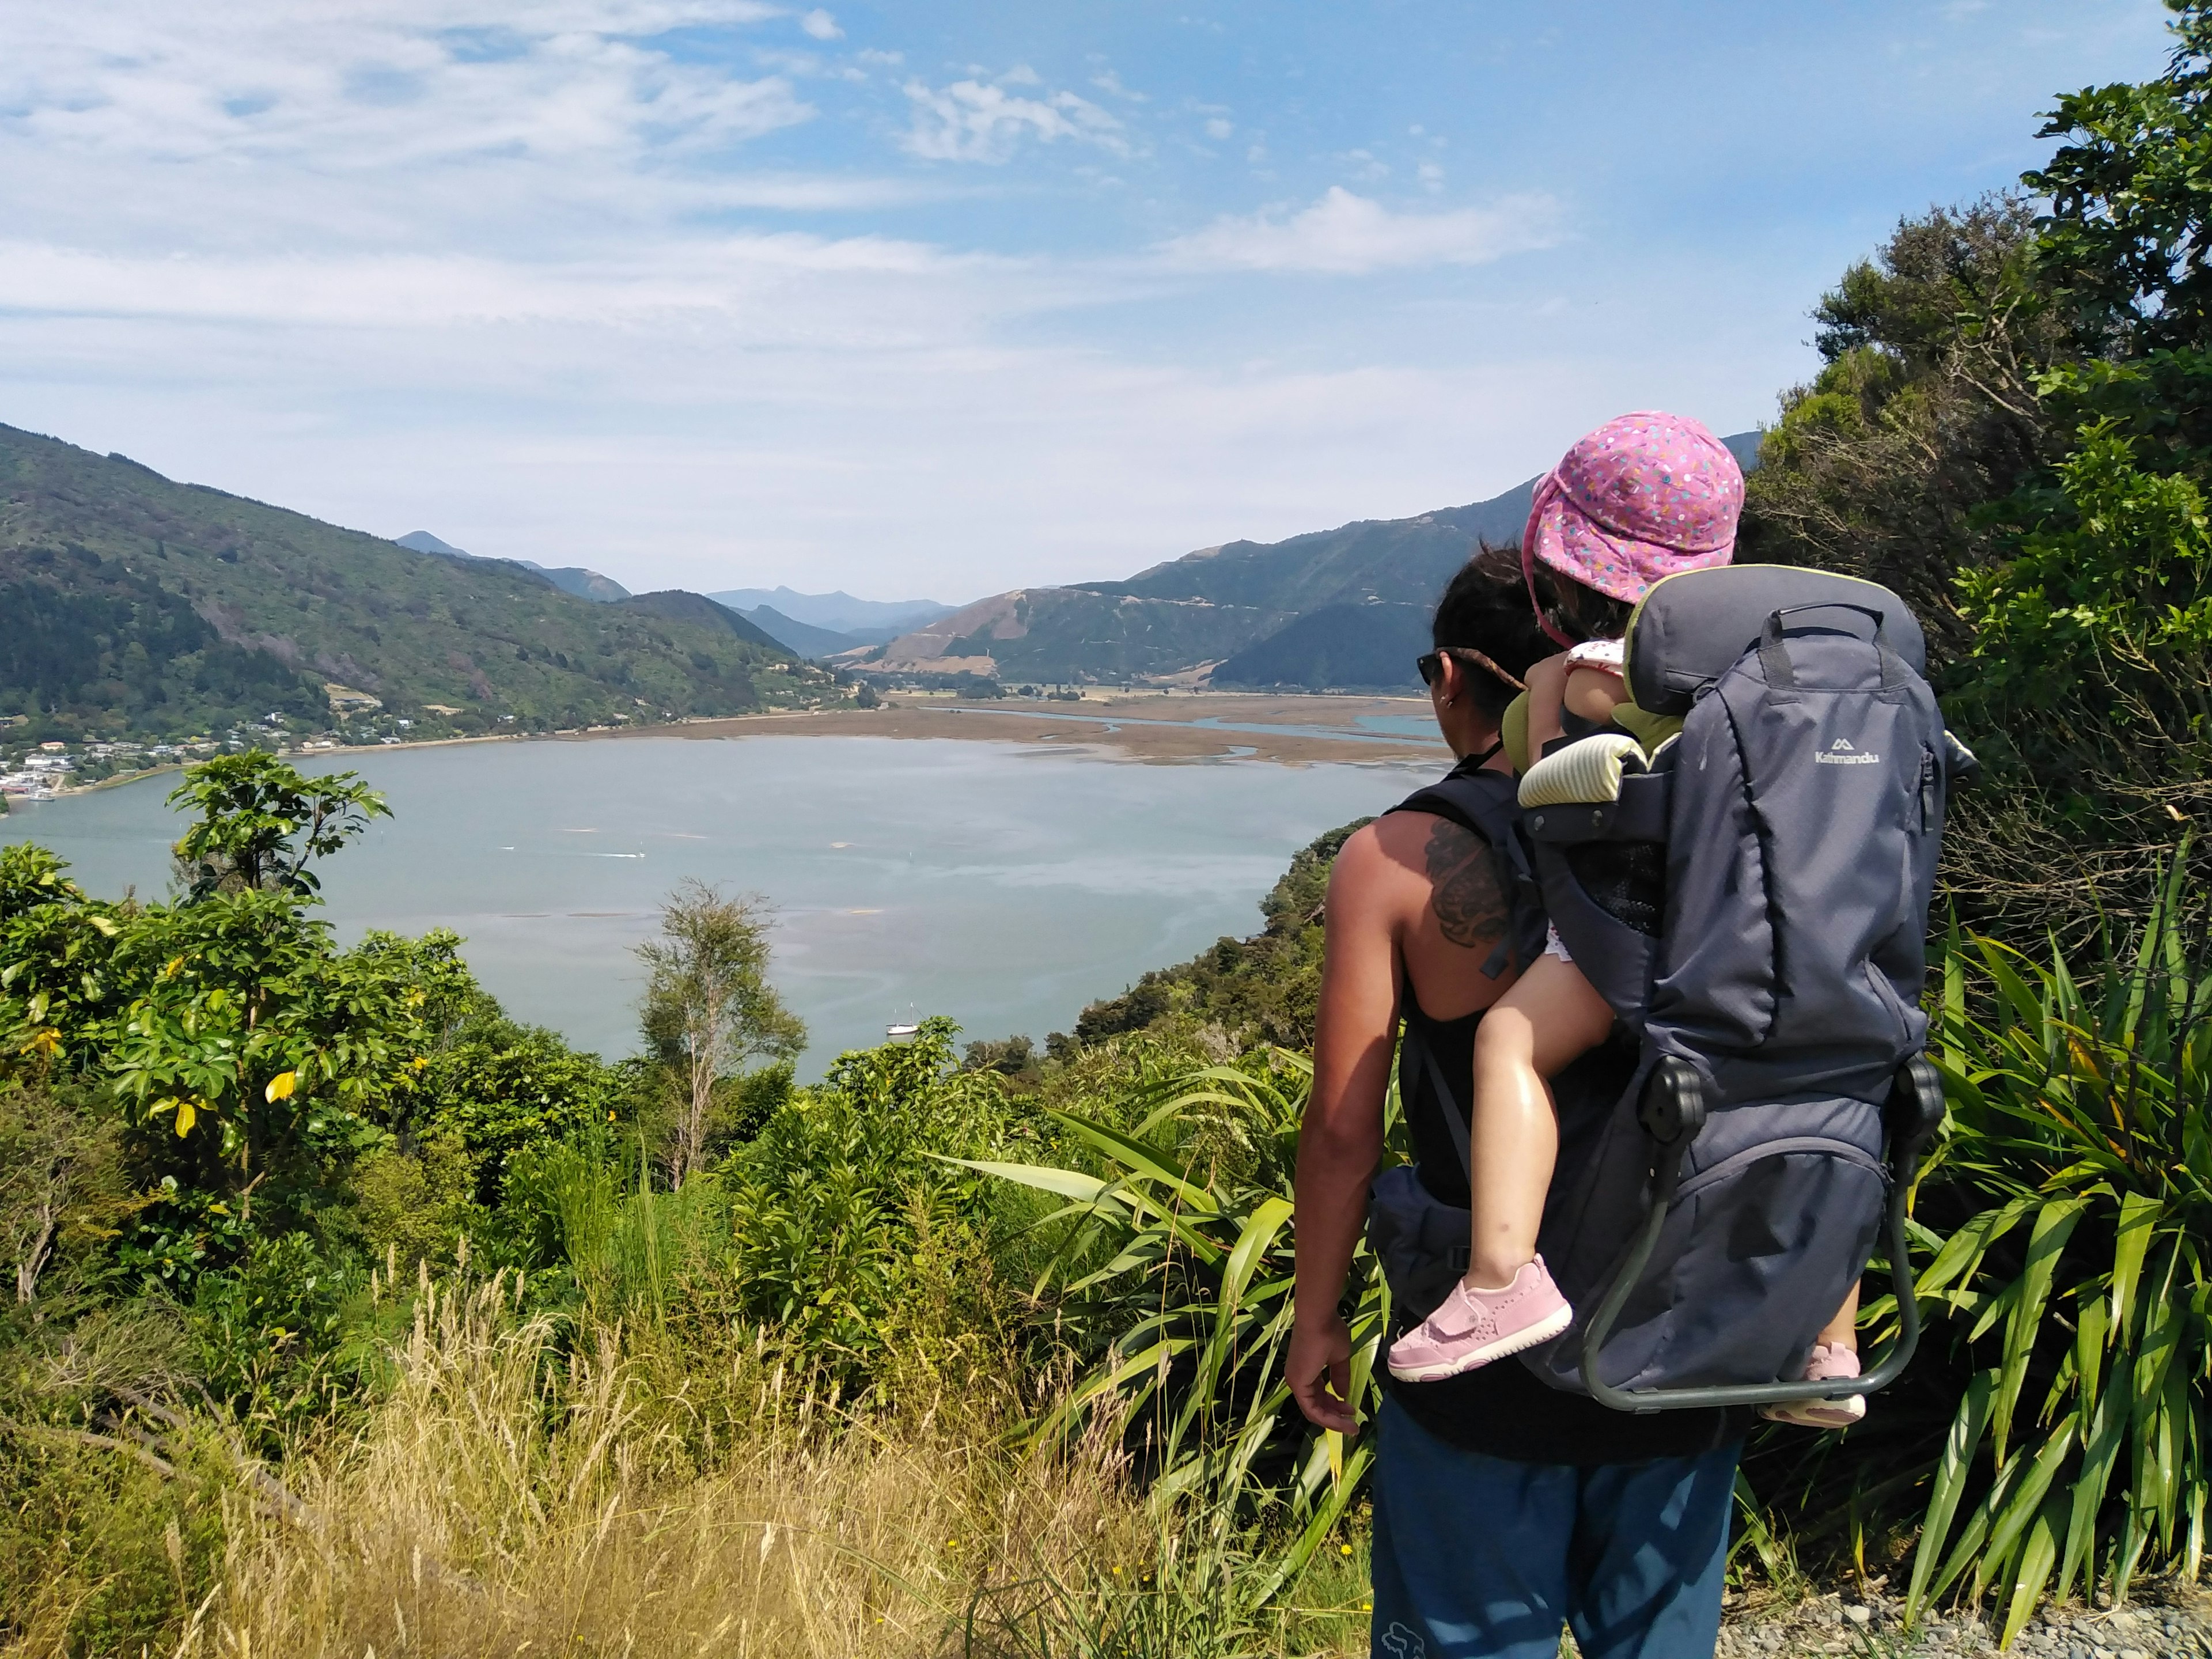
(498, 1088)
(853, 1235)
(417, 1207)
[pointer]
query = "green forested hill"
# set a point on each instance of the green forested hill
(1338, 645)
(132, 605)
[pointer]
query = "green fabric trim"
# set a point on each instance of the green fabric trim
(1648, 729)
(1513, 732)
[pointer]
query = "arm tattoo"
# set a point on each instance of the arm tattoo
(1464, 891)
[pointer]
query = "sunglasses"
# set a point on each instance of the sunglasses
(1431, 664)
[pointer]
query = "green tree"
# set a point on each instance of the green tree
(2130, 190)
(262, 822)
(710, 1007)
(55, 946)
(2011, 429)
(265, 1056)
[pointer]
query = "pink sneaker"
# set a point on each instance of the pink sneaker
(1827, 1360)
(1474, 1326)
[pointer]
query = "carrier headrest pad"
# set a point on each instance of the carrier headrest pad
(1690, 628)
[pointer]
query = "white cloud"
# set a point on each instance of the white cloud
(354, 90)
(759, 288)
(1217, 128)
(510, 273)
(1106, 80)
(1349, 234)
(976, 121)
(821, 25)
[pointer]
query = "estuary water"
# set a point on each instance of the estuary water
(1003, 884)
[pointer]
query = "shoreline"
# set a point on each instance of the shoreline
(1284, 730)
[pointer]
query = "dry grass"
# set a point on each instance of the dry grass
(501, 1502)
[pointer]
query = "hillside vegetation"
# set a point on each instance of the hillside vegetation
(134, 606)
(1062, 634)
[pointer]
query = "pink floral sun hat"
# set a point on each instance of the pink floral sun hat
(1646, 496)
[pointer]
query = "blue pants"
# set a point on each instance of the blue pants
(1478, 1557)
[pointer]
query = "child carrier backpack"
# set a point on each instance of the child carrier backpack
(1752, 898)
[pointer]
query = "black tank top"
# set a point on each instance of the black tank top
(1504, 1410)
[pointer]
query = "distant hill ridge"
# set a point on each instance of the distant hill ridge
(838, 612)
(804, 638)
(568, 578)
(1347, 607)
(131, 605)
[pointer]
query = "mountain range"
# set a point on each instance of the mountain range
(1347, 607)
(838, 612)
(132, 605)
(812, 624)
(568, 578)
(809, 641)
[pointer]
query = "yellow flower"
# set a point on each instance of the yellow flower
(1345, 1548)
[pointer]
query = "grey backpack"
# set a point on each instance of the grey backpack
(1753, 904)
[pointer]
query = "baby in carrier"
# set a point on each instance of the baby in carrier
(1643, 497)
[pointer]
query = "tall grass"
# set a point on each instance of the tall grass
(504, 1498)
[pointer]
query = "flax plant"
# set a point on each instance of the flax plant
(2080, 1129)
(1190, 1309)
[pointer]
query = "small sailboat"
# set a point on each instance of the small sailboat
(903, 1030)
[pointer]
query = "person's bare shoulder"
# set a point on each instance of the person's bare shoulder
(1416, 862)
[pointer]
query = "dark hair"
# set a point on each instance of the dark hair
(1486, 607)
(1579, 612)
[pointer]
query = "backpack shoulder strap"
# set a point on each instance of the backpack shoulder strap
(1484, 804)
(1411, 1041)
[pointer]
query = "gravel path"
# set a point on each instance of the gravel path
(2162, 1621)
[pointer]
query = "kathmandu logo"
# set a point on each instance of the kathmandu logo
(1840, 753)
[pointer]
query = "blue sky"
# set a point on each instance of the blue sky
(941, 299)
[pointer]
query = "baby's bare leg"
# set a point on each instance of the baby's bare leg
(1549, 1018)
(1843, 1331)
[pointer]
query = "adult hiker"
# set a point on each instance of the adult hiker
(1673, 492)
(1503, 1508)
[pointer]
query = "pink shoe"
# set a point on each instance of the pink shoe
(1474, 1326)
(1827, 1359)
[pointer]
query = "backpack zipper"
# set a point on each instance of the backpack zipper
(1728, 1165)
